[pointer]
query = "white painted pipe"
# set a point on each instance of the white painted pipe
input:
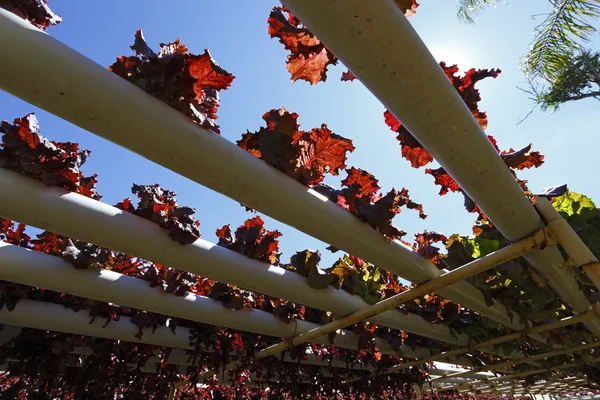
(433, 111)
(56, 210)
(78, 90)
(33, 268)
(179, 357)
(54, 317)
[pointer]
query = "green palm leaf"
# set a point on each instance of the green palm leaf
(559, 35)
(468, 9)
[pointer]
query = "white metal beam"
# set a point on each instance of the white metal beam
(33, 268)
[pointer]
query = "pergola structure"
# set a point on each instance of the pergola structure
(78, 90)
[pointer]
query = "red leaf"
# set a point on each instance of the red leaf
(160, 206)
(26, 151)
(408, 7)
(37, 12)
(312, 68)
(322, 151)
(524, 158)
(423, 245)
(187, 82)
(465, 85)
(348, 76)
(360, 196)
(410, 147)
(29, 130)
(126, 205)
(224, 233)
(252, 240)
(304, 156)
(443, 179)
(380, 214)
(208, 74)
(309, 58)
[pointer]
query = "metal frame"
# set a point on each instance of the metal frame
(80, 91)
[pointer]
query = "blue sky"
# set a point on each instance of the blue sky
(235, 31)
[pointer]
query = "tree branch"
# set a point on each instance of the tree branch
(584, 95)
(591, 67)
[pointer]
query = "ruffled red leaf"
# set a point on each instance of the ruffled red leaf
(405, 200)
(26, 151)
(309, 58)
(444, 180)
(360, 196)
(304, 156)
(410, 147)
(208, 74)
(362, 183)
(160, 206)
(524, 158)
(12, 235)
(37, 12)
(187, 82)
(348, 76)
(465, 85)
(424, 245)
(408, 7)
(252, 240)
(322, 152)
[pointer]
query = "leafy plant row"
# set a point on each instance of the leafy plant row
(160, 206)
(253, 240)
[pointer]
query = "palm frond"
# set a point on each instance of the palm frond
(468, 9)
(567, 26)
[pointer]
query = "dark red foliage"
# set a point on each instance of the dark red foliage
(187, 82)
(35, 11)
(411, 149)
(160, 206)
(424, 245)
(12, 235)
(522, 159)
(348, 76)
(408, 7)
(514, 160)
(252, 240)
(309, 58)
(26, 151)
(444, 180)
(465, 85)
(231, 296)
(305, 156)
(360, 195)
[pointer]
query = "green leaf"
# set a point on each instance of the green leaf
(572, 203)
(475, 247)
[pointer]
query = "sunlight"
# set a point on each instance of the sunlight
(453, 55)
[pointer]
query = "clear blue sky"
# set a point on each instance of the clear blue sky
(236, 34)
